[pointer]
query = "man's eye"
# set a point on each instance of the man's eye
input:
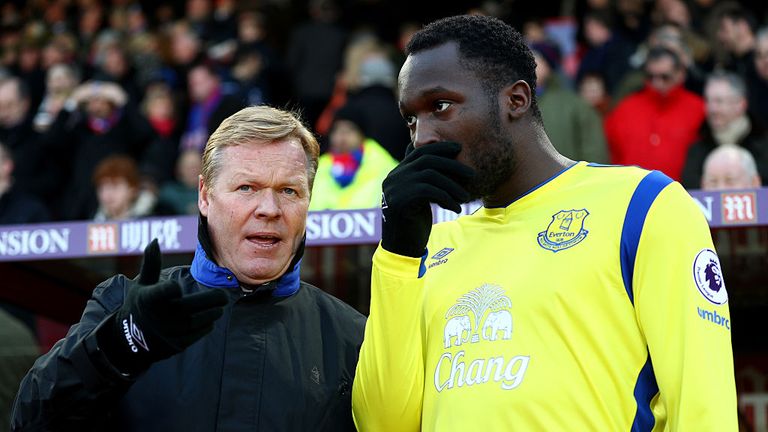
(410, 120)
(290, 191)
(442, 106)
(244, 188)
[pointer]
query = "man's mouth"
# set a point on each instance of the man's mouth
(264, 240)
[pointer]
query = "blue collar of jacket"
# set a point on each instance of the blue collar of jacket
(210, 274)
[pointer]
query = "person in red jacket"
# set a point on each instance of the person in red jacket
(654, 127)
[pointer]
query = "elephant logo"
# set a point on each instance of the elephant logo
(487, 299)
(456, 327)
(498, 321)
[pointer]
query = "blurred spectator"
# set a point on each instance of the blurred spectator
(677, 13)
(632, 20)
(115, 65)
(198, 14)
(730, 167)
(654, 127)
(60, 83)
(105, 127)
(159, 159)
(314, 56)
(249, 71)
(61, 48)
(89, 24)
(30, 71)
(120, 196)
(222, 24)
(360, 46)
(592, 89)
(727, 124)
(757, 79)
(186, 48)
(735, 36)
(608, 52)
(670, 36)
(209, 106)
(257, 65)
(37, 171)
(572, 125)
(18, 351)
(349, 176)
(374, 98)
(16, 207)
(180, 196)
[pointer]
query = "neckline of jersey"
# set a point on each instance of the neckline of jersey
(547, 182)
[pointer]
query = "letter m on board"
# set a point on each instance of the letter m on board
(102, 238)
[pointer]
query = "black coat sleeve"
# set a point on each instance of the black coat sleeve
(73, 386)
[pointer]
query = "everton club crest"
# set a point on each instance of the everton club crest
(566, 230)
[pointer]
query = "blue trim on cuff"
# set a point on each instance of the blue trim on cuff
(645, 194)
(422, 265)
(209, 274)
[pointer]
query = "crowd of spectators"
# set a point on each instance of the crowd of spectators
(101, 100)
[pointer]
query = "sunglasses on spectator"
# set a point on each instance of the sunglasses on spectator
(665, 77)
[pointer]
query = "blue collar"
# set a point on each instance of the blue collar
(209, 274)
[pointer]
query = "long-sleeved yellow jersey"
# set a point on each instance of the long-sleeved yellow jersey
(593, 302)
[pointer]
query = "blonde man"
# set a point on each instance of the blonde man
(233, 342)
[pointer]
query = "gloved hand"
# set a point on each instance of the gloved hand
(427, 174)
(156, 320)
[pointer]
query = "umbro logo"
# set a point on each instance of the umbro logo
(134, 335)
(440, 257)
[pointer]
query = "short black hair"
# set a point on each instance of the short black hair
(660, 52)
(492, 49)
(736, 12)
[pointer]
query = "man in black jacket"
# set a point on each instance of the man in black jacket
(728, 123)
(233, 342)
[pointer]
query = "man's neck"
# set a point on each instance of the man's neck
(536, 163)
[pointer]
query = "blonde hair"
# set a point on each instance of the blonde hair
(258, 123)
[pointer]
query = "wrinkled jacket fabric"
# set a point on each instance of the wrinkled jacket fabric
(281, 358)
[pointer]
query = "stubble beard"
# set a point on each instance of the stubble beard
(493, 159)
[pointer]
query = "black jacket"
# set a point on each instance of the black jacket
(85, 148)
(17, 207)
(756, 142)
(281, 358)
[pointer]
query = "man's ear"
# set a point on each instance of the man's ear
(202, 196)
(517, 99)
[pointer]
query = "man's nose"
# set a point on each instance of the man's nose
(424, 133)
(267, 204)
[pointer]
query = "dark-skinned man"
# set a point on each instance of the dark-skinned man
(578, 297)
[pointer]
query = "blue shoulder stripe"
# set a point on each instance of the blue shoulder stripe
(646, 388)
(645, 194)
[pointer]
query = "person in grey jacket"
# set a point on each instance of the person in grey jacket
(233, 342)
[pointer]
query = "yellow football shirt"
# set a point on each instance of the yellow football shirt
(593, 302)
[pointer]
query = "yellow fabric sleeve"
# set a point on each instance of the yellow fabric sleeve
(388, 388)
(690, 347)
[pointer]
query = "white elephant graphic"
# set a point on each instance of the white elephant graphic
(456, 326)
(496, 321)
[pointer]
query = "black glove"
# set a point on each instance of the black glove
(427, 174)
(156, 321)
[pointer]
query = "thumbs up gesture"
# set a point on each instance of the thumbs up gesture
(156, 319)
